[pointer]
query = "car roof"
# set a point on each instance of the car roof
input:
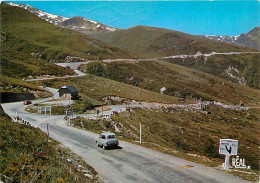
(107, 133)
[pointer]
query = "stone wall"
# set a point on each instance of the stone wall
(15, 97)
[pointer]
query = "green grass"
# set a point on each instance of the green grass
(157, 42)
(246, 64)
(9, 84)
(19, 65)
(29, 44)
(96, 88)
(178, 80)
(31, 33)
(180, 131)
(25, 155)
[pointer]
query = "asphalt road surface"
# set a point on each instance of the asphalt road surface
(130, 163)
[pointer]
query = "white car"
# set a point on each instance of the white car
(107, 139)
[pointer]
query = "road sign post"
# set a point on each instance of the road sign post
(97, 112)
(226, 166)
(228, 147)
(140, 133)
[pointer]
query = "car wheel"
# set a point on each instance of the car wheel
(104, 147)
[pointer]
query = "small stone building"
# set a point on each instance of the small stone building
(69, 90)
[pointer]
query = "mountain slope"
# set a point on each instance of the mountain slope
(54, 19)
(157, 42)
(26, 156)
(28, 42)
(85, 26)
(176, 80)
(79, 24)
(242, 69)
(30, 33)
(250, 39)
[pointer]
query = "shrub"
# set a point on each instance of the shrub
(88, 105)
(209, 148)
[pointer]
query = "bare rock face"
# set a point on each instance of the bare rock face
(85, 25)
(250, 39)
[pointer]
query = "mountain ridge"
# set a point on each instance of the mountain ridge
(151, 42)
(84, 25)
(250, 39)
(28, 49)
(89, 27)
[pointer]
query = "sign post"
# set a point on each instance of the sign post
(140, 133)
(228, 147)
(97, 113)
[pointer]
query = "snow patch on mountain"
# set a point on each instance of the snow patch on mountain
(12, 4)
(76, 23)
(54, 19)
(228, 39)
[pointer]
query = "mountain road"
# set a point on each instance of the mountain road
(130, 163)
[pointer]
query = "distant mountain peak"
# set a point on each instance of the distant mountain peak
(54, 19)
(226, 38)
(250, 39)
(84, 25)
(77, 23)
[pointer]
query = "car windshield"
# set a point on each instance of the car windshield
(111, 136)
(102, 136)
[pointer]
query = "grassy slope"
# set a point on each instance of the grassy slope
(157, 42)
(8, 84)
(247, 64)
(20, 164)
(28, 43)
(28, 33)
(24, 34)
(178, 80)
(96, 88)
(169, 130)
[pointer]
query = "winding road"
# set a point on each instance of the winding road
(131, 163)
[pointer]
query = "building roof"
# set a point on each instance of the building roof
(70, 88)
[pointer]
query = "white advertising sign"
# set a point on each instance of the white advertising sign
(228, 147)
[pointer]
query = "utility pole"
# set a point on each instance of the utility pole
(140, 133)
(47, 132)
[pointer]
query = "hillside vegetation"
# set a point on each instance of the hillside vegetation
(34, 35)
(244, 65)
(30, 43)
(181, 132)
(27, 156)
(8, 84)
(178, 81)
(95, 88)
(152, 42)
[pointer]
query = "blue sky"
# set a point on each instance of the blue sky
(194, 17)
